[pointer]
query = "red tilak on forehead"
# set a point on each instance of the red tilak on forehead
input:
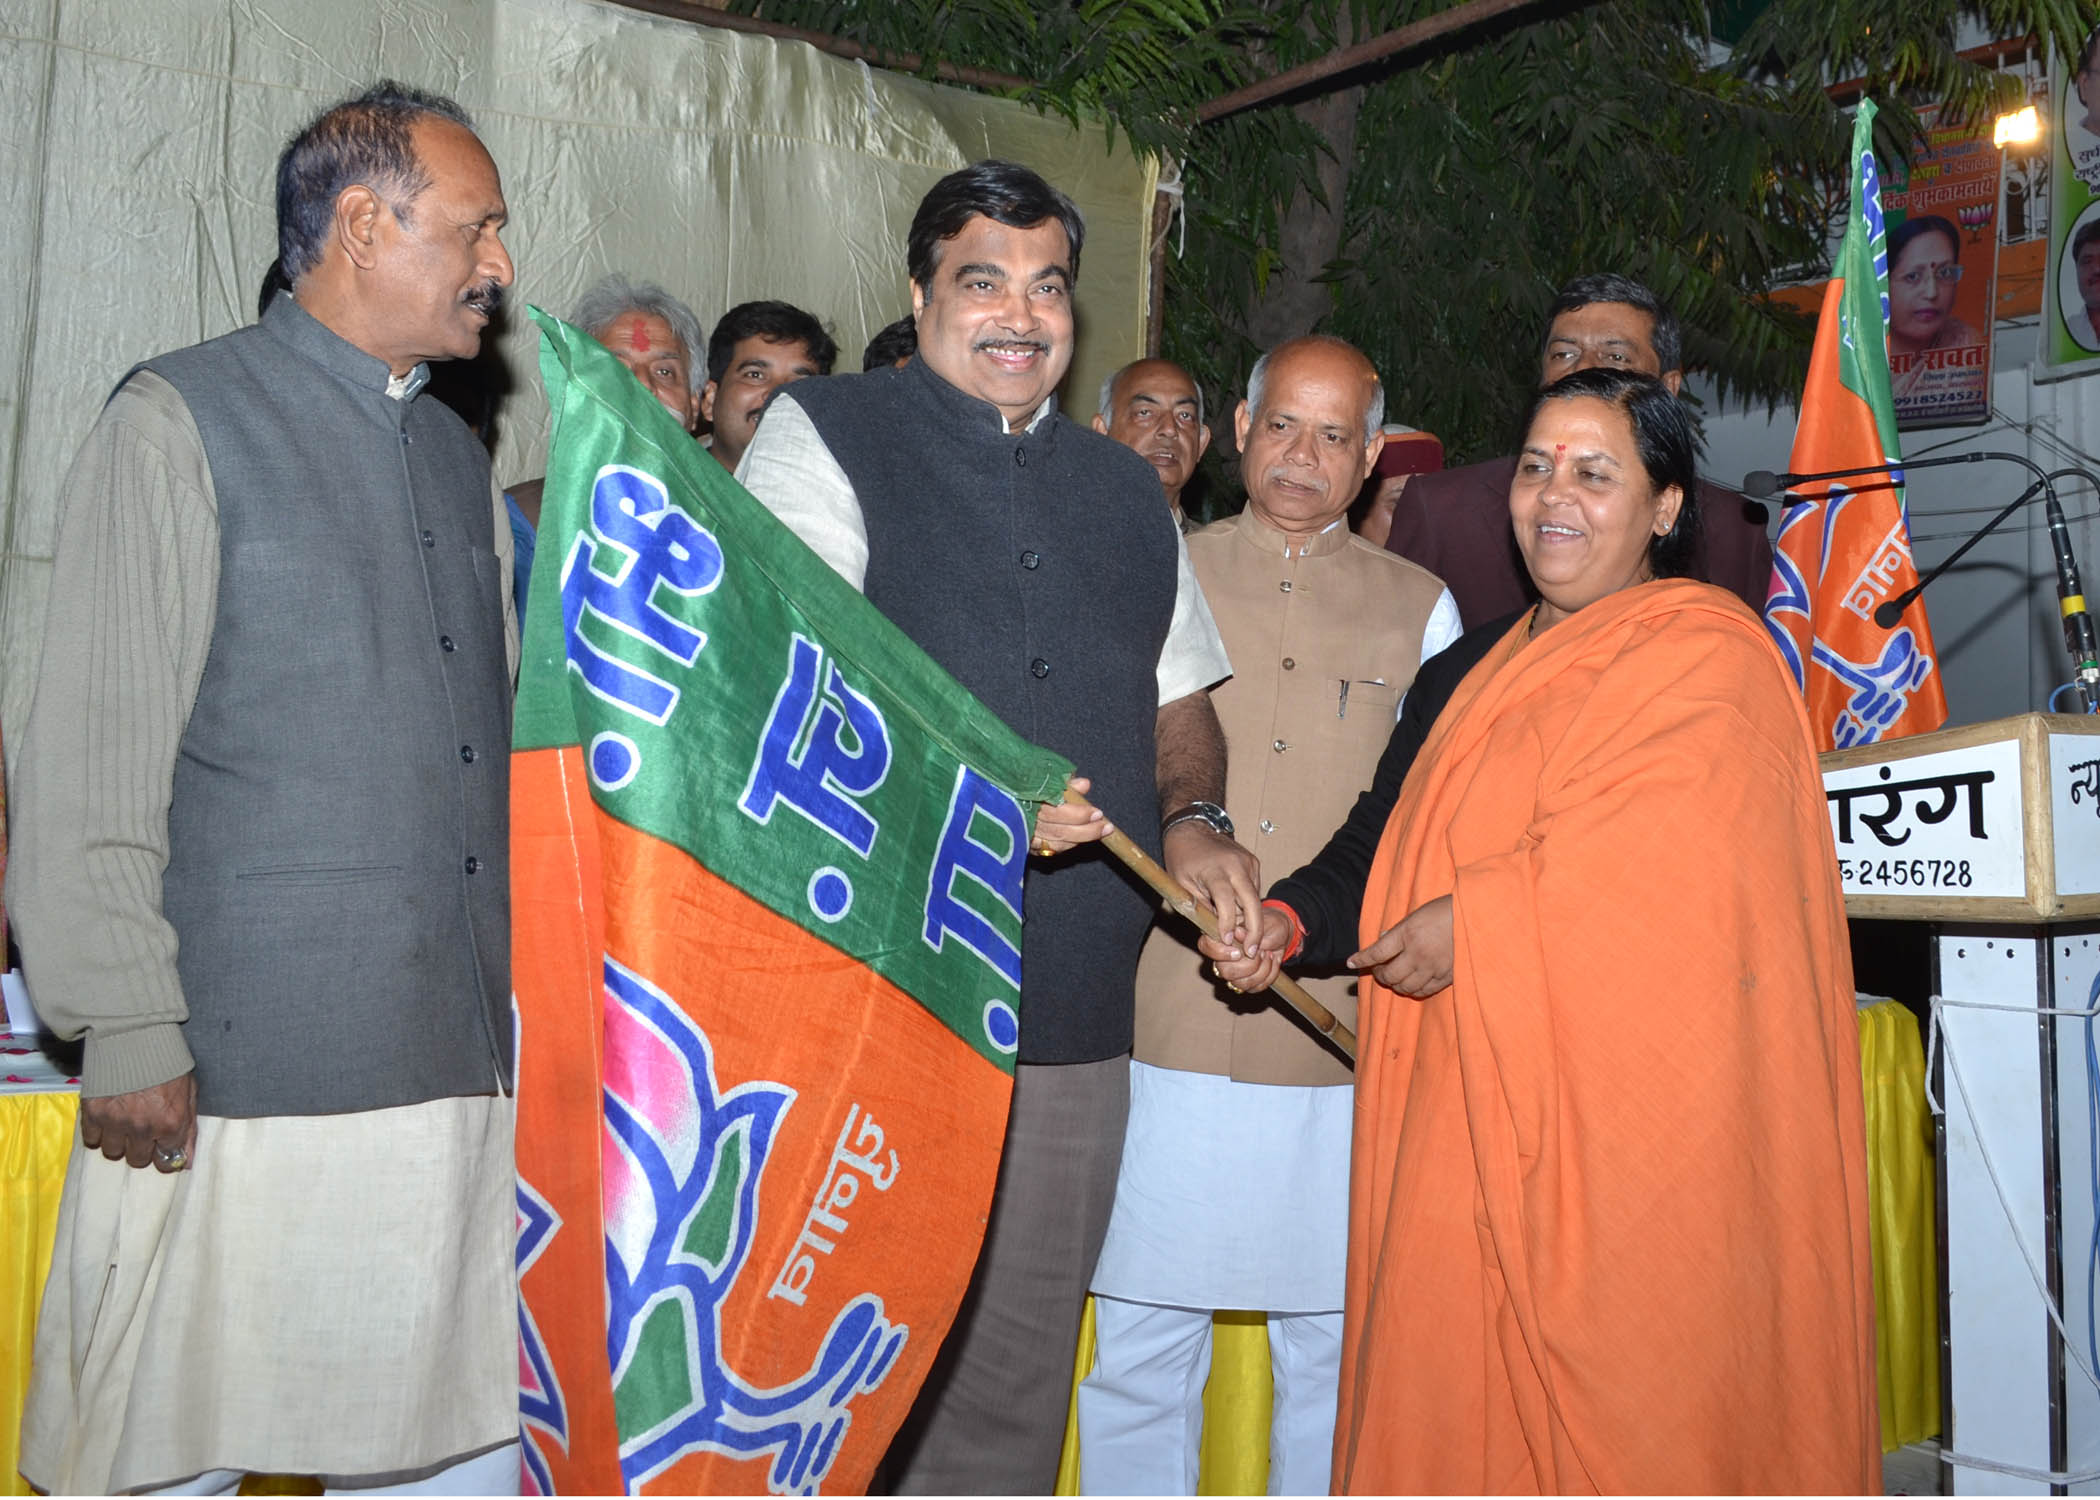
(1559, 448)
(638, 335)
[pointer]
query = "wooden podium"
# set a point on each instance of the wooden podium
(1991, 833)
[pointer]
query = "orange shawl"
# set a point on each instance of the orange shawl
(1607, 1210)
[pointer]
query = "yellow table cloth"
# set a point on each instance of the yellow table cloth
(36, 1137)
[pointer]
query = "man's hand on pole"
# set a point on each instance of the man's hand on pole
(1064, 825)
(1217, 872)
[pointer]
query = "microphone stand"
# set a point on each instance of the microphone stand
(1763, 484)
(1889, 611)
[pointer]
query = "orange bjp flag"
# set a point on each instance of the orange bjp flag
(1846, 548)
(767, 865)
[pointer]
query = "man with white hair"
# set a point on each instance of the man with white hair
(654, 335)
(1234, 1188)
(1153, 408)
(657, 337)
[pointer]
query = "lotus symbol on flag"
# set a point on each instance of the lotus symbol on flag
(683, 1161)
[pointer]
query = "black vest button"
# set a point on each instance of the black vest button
(473, 865)
(466, 753)
(1040, 667)
(430, 539)
(1031, 560)
(445, 643)
(1021, 457)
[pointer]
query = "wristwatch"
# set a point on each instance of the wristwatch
(1208, 812)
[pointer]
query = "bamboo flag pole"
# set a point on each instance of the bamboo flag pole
(1177, 896)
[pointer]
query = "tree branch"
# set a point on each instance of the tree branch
(1406, 39)
(838, 46)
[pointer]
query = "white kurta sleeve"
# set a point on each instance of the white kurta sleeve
(793, 474)
(1193, 657)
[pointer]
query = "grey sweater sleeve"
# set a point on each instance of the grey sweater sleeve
(134, 587)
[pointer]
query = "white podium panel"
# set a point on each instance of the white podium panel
(1992, 832)
(2000, 1386)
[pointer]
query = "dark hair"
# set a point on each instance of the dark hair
(894, 341)
(1003, 191)
(275, 281)
(2085, 54)
(2083, 238)
(776, 323)
(1662, 435)
(365, 140)
(1606, 286)
(1919, 226)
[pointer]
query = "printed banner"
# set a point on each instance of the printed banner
(2070, 341)
(767, 866)
(1846, 548)
(1942, 219)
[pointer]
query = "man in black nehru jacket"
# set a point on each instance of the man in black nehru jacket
(1033, 560)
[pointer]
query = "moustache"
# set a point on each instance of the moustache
(487, 298)
(1038, 345)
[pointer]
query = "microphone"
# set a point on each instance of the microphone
(2070, 598)
(1763, 484)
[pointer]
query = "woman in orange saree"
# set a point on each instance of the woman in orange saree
(1608, 1192)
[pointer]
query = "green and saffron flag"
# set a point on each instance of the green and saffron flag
(767, 864)
(1846, 548)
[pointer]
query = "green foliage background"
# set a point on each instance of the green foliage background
(1487, 169)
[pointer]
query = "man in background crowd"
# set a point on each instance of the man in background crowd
(757, 348)
(893, 344)
(1153, 408)
(652, 333)
(1456, 523)
(1408, 451)
(658, 338)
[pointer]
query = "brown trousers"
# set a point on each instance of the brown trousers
(991, 1417)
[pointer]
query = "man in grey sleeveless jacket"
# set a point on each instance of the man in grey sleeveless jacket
(262, 868)
(1032, 559)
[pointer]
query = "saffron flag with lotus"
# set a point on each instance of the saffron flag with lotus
(1845, 548)
(767, 867)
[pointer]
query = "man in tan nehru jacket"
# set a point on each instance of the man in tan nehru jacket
(1235, 1177)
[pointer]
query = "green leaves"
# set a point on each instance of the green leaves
(1488, 169)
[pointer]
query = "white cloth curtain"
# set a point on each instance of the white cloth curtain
(137, 203)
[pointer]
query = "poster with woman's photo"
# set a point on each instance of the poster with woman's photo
(2071, 288)
(1942, 216)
